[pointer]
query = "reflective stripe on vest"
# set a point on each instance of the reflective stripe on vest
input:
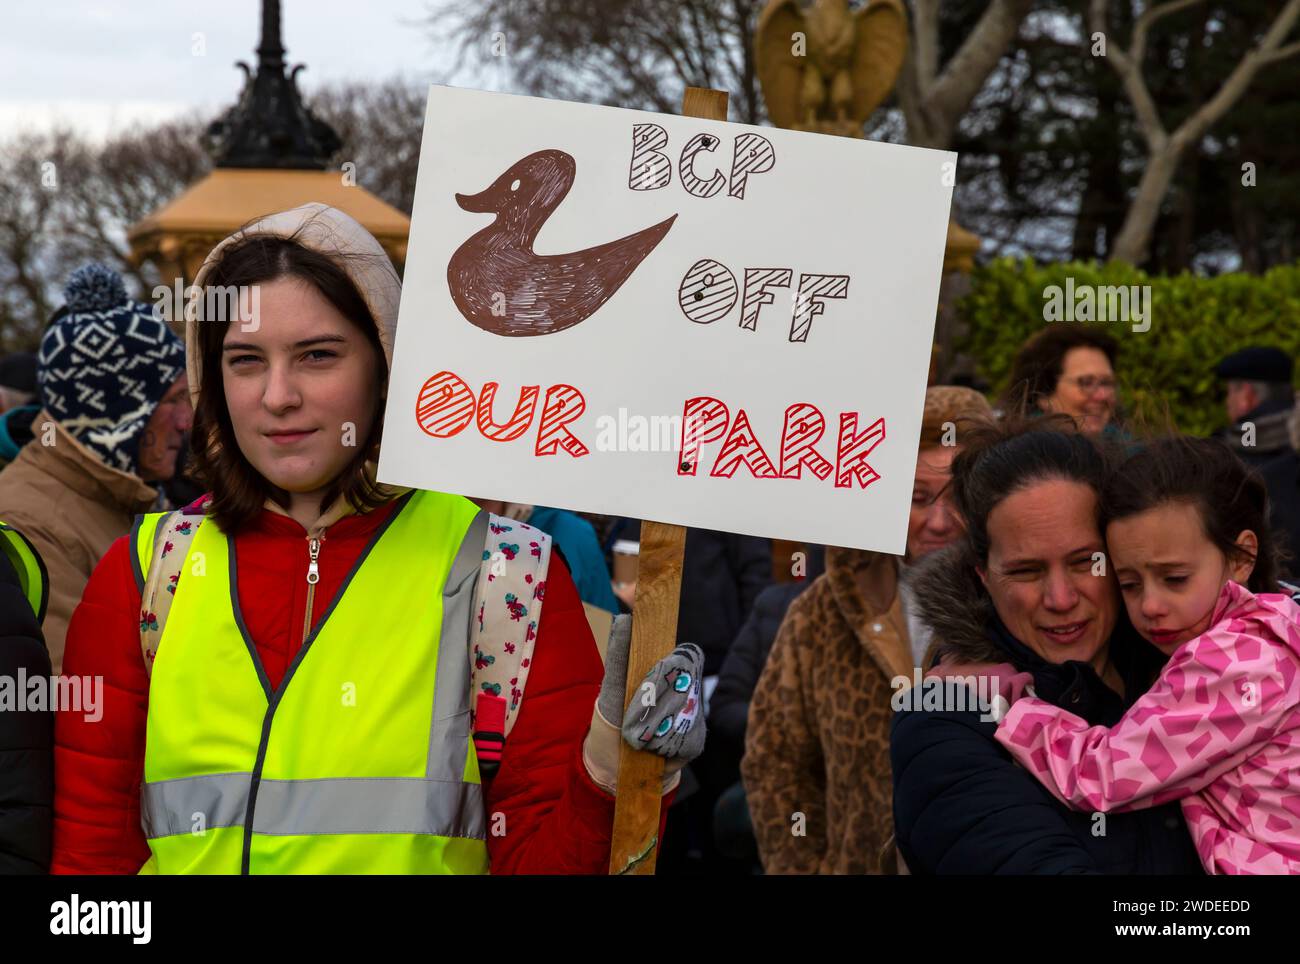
(362, 760)
(286, 807)
(29, 565)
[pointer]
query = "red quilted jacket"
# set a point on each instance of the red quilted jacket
(557, 820)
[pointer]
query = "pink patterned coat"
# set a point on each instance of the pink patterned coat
(1219, 730)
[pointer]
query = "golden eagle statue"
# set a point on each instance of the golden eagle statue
(825, 68)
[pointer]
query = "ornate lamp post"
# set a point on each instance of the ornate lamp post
(271, 153)
(270, 126)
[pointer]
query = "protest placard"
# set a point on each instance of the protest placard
(668, 318)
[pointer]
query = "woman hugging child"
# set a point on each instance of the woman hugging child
(1187, 532)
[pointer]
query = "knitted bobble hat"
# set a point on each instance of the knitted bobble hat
(104, 365)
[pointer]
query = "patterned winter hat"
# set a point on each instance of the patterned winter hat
(104, 365)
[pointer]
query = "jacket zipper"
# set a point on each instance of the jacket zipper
(313, 577)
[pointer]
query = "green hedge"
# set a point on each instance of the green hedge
(1194, 322)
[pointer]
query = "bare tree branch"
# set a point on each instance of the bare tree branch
(1194, 127)
(1138, 44)
(935, 105)
(1130, 74)
(1282, 53)
(965, 73)
(1165, 150)
(631, 53)
(925, 40)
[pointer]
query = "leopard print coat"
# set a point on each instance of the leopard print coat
(816, 766)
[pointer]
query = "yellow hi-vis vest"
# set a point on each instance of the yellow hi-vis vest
(362, 760)
(30, 567)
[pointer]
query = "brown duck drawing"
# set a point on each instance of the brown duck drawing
(501, 286)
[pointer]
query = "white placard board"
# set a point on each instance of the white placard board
(667, 318)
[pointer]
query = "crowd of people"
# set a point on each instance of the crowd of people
(184, 520)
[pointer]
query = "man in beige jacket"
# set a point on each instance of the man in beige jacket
(115, 411)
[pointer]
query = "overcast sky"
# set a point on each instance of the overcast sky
(97, 65)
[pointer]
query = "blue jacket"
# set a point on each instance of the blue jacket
(16, 430)
(581, 550)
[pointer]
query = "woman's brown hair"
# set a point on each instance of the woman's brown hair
(1041, 360)
(238, 490)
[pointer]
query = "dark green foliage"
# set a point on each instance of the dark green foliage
(1195, 321)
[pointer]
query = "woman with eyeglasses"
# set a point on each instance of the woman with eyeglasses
(1067, 369)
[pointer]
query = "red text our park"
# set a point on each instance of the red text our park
(713, 432)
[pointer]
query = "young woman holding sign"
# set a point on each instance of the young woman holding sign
(302, 702)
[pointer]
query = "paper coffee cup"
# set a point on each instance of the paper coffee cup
(626, 557)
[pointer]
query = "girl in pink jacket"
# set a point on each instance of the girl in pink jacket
(1189, 541)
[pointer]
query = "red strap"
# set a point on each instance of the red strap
(490, 732)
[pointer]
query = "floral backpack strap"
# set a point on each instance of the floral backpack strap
(172, 537)
(507, 610)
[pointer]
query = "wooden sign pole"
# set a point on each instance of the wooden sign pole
(654, 634)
